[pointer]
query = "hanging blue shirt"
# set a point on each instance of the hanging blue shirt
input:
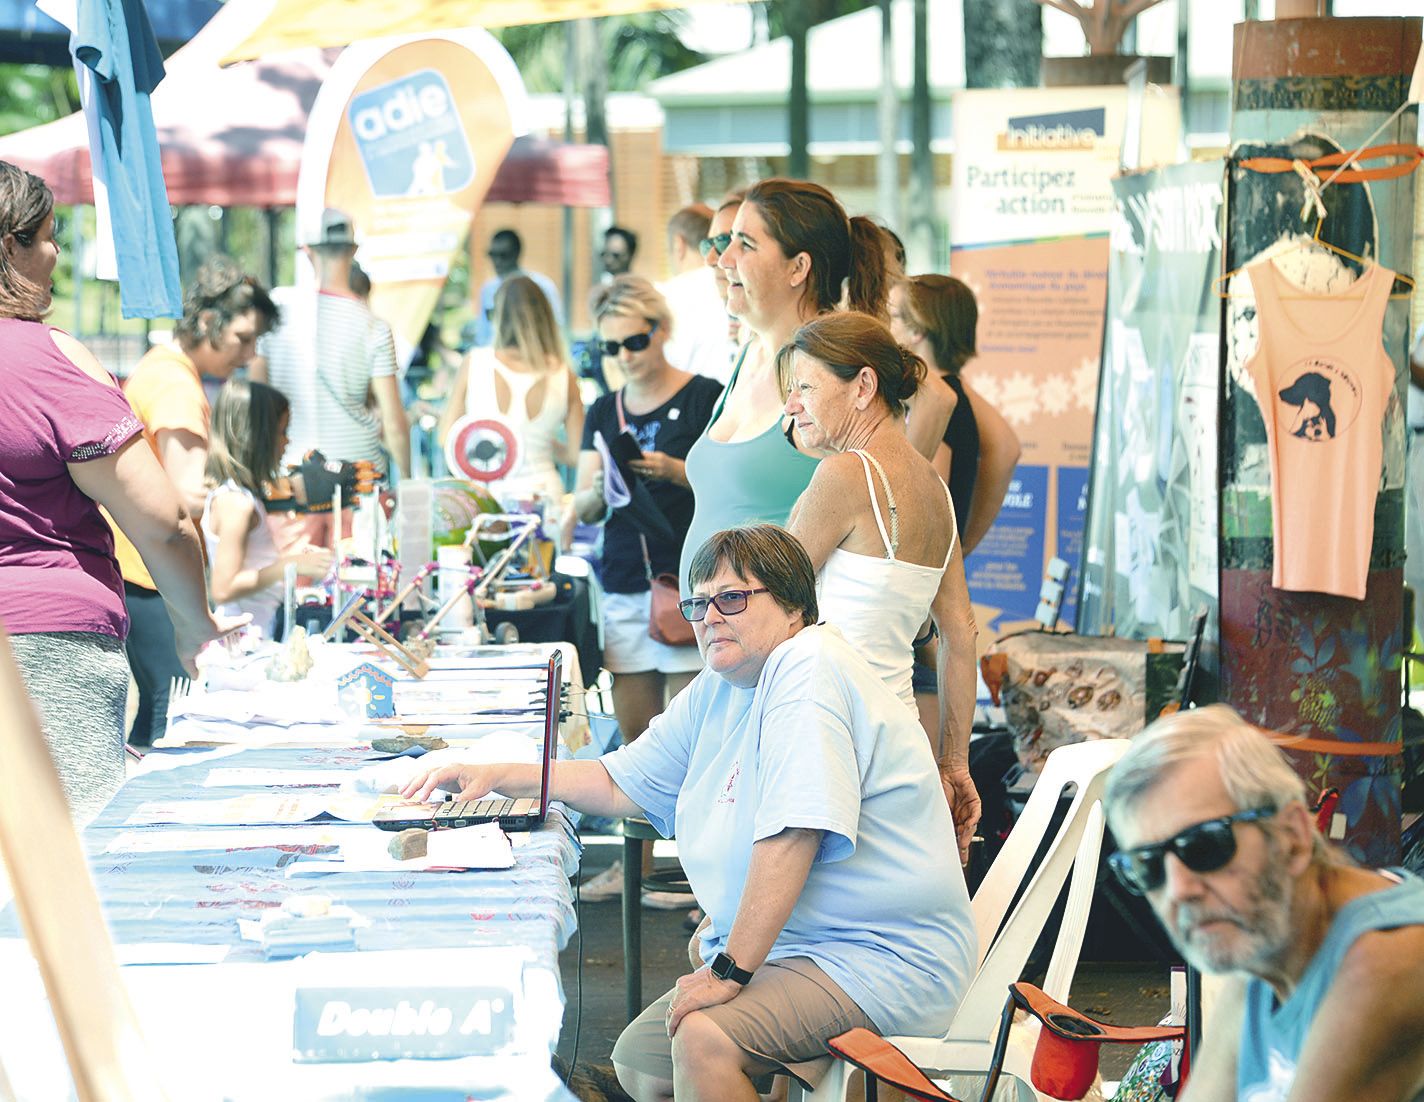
(115, 40)
(821, 744)
(1272, 1035)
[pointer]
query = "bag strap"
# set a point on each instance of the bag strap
(642, 539)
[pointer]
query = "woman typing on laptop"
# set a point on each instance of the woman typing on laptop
(805, 803)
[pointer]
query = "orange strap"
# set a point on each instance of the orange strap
(1334, 746)
(1410, 157)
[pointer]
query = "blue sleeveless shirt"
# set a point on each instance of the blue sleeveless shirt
(754, 481)
(1272, 1035)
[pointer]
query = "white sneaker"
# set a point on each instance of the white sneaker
(665, 901)
(606, 885)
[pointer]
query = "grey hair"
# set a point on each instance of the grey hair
(1252, 768)
(767, 553)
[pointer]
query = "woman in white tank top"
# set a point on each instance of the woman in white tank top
(524, 380)
(879, 526)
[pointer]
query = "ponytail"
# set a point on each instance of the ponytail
(868, 285)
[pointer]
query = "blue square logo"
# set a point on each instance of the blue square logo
(410, 137)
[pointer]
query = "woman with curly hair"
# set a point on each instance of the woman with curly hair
(224, 312)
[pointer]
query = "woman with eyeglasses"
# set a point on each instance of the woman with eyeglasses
(809, 821)
(665, 410)
(525, 380)
(878, 524)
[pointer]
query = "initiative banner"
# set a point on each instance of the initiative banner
(405, 136)
(1032, 203)
(1150, 561)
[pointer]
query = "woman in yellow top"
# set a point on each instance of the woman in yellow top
(224, 312)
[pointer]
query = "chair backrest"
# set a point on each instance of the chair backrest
(60, 912)
(1009, 921)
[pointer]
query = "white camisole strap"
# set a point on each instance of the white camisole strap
(953, 528)
(891, 541)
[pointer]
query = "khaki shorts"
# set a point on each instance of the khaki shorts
(783, 1018)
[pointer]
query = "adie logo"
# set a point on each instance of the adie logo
(410, 137)
(1065, 130)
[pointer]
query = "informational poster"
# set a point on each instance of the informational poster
(1032, 206)
(405, 137)
(1151, 539)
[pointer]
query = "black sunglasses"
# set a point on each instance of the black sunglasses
(729, 602)
(1204, 847)
(636, 343)
(718, 241)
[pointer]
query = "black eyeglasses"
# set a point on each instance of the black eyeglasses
(636, 343)
(1204, 847)
(718, 241)
(729, 602)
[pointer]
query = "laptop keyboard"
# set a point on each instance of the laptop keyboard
(481, 809)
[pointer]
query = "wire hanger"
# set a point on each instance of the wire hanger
(1316, 240)
(1315, 198)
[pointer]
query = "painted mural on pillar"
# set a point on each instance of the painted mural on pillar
(1316, 667)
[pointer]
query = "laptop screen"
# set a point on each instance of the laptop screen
(553, 706)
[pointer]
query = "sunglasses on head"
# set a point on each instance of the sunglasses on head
(718, 241)
(729, 602)
(1204, 847)
(636, 343)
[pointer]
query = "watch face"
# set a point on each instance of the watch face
(725, 968)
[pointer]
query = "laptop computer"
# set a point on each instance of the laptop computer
(511, 815)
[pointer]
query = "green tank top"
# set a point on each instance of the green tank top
(753, 481)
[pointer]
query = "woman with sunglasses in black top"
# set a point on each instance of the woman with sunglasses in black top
(665, 410)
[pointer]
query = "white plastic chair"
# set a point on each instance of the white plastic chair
(963, 1053)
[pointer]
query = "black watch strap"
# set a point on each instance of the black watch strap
(725, 968)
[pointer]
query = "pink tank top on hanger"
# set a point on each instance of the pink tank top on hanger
(1323, 381)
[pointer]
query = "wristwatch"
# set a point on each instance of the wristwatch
(725, 968)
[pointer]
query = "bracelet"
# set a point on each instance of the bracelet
(933, 633)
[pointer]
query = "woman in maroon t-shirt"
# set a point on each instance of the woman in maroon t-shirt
(69, 443)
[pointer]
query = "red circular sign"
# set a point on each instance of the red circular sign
(483, 450)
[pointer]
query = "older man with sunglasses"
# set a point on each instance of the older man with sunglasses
(1326, 999)
(809, 818)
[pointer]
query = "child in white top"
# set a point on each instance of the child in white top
(247, 437)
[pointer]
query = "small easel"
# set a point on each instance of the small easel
(352, 616)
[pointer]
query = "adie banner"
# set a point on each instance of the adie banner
(1032, 206)
(405, 137)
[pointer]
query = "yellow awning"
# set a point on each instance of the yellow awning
(294, 24)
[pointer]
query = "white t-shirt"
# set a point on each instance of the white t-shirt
(699, 341)
(820, 743)
(323, 357)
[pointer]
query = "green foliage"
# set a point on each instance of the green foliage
(781, 15)
(640, 48)
(35, 94)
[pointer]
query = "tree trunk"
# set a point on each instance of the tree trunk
(1003, 41)
(593, 68)
(798, 104)
(922, 243)
(887, 164)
